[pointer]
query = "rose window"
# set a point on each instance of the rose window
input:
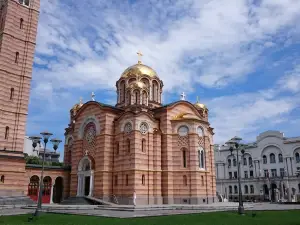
(183, 131)
(128, 127)
(89, 140)
(144, 128)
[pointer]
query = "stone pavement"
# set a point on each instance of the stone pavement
(97, 211)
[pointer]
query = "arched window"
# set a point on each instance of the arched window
(251, 189)
(126, 179)
(143, 145)
(136, 97)
(280, 159)
(264, 159)
(229, 162)
(122, 91)
(230, 189)
(201, 158)
(11, 93)
(116, 180)
(200, 131)
(250, 161)
(272, 158)
(21, 23)
(17, 57)
(143, 179)
(2, 179)
(297, 156)
(128, 145)
(184, 180)
(6, 133)
(202, 180)
(246, 189)
(245, 161)
(183, 131)
(299, 187)
(24, 2)
(235, 189)
(144, 98)
(128, 98)
(117, 148)
(234, 162)
(184, 157)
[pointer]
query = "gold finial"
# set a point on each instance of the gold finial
(197, 99)
(80, 100)
(139, 57)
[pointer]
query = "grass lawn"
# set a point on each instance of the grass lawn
(219, 218)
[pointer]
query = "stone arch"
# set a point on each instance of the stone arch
(146, 81)
(182, 124)
(130, 80)
(270, 148)
(122, 91)
(144, 98)
(128, 98)
(155, 91)
(136, 97)
(58, 190)
(200, 131)
(296, 154)
(67, 138)
(33, 187)
(87, 120)
(85, 181)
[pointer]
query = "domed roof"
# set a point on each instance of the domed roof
(200, 105)
(77, 105)
(138, 70)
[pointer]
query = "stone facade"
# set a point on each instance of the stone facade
(163, 153)
(18, 29)
(269, 169)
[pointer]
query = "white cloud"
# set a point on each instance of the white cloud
(212, 43)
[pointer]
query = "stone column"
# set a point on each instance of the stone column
(91, 184)
(51, 195)
(79, 185)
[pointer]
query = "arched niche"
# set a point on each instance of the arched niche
(86, 121)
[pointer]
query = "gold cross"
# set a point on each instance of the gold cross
(80, 100)
(197, 99)
(139, 57)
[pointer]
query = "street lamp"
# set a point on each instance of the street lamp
(234, 144)
(35, 141)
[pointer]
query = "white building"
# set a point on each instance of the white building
(269, 169)
(51, 155)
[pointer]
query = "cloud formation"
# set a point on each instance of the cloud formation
(225, 50)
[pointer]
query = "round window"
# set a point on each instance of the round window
(144, 128)
(128, 127)
(183, 131)
(200, 131)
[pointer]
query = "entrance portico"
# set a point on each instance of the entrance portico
(85, 177)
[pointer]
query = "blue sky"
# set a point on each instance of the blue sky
(241, 57)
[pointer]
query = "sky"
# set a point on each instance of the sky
(241, 57)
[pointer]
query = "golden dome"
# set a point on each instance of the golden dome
(138, 70)
(77, 105)
(137, 84)
(200, 105)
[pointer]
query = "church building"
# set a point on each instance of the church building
(162, 153)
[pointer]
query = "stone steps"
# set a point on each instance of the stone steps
(15, 200)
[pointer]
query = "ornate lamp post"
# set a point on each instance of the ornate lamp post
(35, 140)
(234, 145)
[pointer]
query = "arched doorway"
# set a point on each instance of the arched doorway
(85, 177)
(33, 187)
(266, 192)
(47, 185)
(273, 192)
(58, 190)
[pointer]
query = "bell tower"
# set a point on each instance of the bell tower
(18, 29)
(139, 86)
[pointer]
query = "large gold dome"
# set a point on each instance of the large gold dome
(138, 70)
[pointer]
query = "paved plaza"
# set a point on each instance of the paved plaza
(142, 212)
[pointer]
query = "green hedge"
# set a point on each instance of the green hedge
(37, 161)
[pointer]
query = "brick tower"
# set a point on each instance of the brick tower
(18, 29)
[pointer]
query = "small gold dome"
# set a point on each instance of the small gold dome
(200, 105)
(138, 70)
(137, 84)
(77, 105)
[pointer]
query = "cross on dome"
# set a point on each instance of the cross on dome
(140, 54)
(183, 96)
(93, 96)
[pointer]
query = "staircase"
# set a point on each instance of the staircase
(16, 200)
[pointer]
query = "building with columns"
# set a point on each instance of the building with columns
(269, 169)
(162, 152)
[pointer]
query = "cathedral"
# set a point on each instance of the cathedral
(162, 154)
